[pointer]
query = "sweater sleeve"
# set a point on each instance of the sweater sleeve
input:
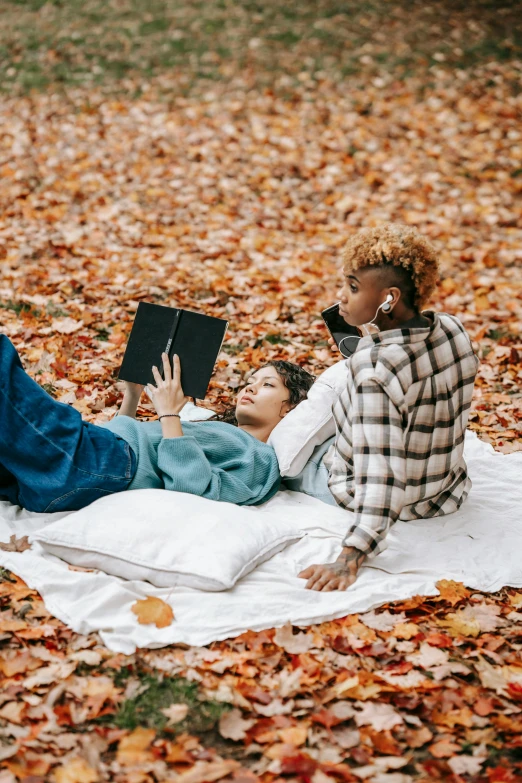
(184, 467)
(379, 468)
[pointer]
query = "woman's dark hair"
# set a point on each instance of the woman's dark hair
(296, 380)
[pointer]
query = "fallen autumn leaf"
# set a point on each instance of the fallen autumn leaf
(153, 610)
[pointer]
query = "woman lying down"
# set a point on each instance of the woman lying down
(51, 460)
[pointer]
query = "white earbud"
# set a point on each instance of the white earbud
(386, 306)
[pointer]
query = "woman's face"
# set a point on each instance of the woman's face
(264, 399)
(360, 296)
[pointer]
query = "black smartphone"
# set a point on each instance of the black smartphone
(346, 337)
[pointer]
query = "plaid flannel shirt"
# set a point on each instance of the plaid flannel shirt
(401, 423)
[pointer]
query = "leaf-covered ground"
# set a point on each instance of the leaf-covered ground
(222, 166)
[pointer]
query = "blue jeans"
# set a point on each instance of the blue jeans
(51, 460)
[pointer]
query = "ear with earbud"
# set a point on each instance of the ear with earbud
(386, 305)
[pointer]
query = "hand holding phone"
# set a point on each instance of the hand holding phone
(346, 337)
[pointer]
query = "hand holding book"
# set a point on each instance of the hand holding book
(167, 396)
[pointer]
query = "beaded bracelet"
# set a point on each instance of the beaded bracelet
(165, 415)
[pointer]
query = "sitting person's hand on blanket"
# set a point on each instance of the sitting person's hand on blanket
(337, 575)
(401, 420)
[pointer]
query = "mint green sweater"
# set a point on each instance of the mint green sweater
(213, 459)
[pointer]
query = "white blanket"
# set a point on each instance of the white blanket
(480, 545)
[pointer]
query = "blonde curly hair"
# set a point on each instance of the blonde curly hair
(401, 247)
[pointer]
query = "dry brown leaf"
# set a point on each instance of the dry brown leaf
(233, 726)
(406, 630)
(293, 643)
(207, 772)
(18, 663)
(382, 620)
(175, 713)
(134, 748)
(461, 626)
(153, 610)
(294, 735)
(50, 674)
(450, 591)
(416, 738)
(427, 656)
(345, 737)
(473, 619)
(76, 771)
(7, 624)
(66, 325)
(443, 749)
(16, 544)
(28, 764)
(379, 716)
(462, 717)
(466, 765)
(412, 679)
(81, 569)
(13, 711)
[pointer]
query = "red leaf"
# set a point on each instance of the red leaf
(439, 639)
(254, 693)
(515, 690)
(484, 706)
(401, 667)
(300, 765)
(502, 775)
(326, 718)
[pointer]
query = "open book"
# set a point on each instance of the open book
(196, 338)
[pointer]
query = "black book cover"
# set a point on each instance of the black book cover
(195, 337)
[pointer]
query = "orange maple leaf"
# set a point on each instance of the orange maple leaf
(450, 591)
(153, 610)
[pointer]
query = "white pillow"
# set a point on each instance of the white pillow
(168, 538)
(310, 423)
(191, 412)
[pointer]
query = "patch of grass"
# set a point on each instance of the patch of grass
(495, 334)
(16, 307)
(234, 349)
(49, 388)
(103, 335)
(145, 708)
(122, 675)
(86, 42)
(276, 339)
(155, 26)
(501, 334)
(286, 37)
(54, 311)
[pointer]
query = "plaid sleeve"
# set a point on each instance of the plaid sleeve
(378, 478)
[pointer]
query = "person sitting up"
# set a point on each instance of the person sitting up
(401, 421)
(51, 460)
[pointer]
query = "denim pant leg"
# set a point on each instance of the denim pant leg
(8, 484)
(51, 460)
